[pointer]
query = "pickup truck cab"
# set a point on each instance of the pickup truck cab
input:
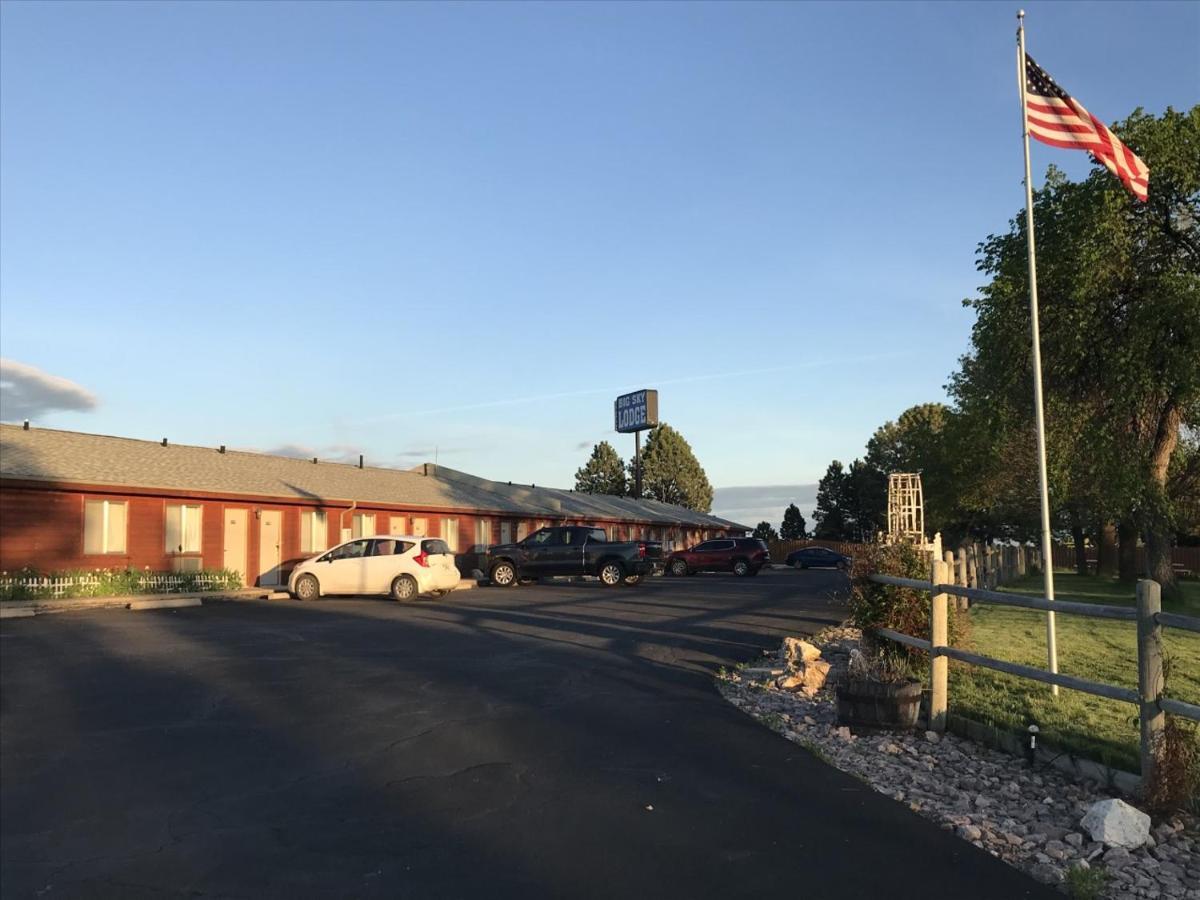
(573, 550)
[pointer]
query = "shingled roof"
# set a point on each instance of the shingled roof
(71, 457)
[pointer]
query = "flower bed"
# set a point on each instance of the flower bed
(30, 585)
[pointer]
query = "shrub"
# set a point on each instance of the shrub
(21, 585)
(902, 609)
(1085, 883)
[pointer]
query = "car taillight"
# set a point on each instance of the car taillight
(422, 559)
(641, 551)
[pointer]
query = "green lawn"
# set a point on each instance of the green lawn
(1098, 649)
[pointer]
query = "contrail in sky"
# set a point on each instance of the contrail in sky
(540, 398)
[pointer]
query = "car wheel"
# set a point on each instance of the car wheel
(611, 574)
(307, 588)
(404, 588)
(741, 568)
(633, 580)
(504, 574)
(678, 568)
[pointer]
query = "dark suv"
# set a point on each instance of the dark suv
(741, 556)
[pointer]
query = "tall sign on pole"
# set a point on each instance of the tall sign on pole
(636, 412)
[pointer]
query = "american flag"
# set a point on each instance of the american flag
(1058, 119)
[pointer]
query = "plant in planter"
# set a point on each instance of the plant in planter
(880, 690)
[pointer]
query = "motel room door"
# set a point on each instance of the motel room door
(235, 542)
(269, 547)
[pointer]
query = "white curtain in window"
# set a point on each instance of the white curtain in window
(450, 533)
(483, 532)
(314, 532)
(363, 525)
(183, 529)
(115, 533)
(191, 529)
(103, 526)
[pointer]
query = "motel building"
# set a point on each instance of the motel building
(70, 500)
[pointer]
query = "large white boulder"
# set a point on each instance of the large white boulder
(1116, 823)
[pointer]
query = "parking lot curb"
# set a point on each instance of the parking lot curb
(13, 609)
(173, 603)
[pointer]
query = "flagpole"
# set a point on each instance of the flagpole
(1047, 546)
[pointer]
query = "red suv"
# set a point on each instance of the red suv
(741, 556)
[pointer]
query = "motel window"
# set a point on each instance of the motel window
(611, 532)
(183, 528)
(314, 531)
(522, 530)
(483, 532)
(450, 533)
(362, 525)
(104, 526)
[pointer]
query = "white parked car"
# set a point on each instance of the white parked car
(400, 565)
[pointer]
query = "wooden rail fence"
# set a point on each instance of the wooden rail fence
(1148, 615)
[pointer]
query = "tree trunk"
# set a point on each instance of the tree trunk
(1158, 522)
(1106, 550)
(1080, 551)
(1127, 535)
(1159, 562)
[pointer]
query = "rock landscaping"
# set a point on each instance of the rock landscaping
(1061, 832)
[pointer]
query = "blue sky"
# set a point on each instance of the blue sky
(386, 228)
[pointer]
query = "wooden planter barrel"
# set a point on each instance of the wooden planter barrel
(878, 704)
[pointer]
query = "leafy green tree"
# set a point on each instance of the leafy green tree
(834, 502)
(604, 472)
(671, 473)
(764, 531)
(1119, 286)
(794, 528)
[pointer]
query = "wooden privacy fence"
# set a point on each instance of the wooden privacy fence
(1148, 616)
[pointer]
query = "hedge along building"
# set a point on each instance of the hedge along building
(70, 500)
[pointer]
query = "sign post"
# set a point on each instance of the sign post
(636, 412)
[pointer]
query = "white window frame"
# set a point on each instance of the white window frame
(183, 546)
(314, 531)
(108, 534)
(362, 525)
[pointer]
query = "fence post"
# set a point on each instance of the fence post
(1150, 673)
(962, 578)
(937, 638)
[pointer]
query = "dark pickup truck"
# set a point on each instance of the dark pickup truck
(573, 550)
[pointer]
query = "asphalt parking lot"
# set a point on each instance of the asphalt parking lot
(544, 741)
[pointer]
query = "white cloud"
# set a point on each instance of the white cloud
(27, 392)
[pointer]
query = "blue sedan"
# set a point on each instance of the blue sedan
(818, 558)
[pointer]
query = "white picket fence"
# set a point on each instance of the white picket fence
(150, 583)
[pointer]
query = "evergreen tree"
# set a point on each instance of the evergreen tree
(834, 503)
(671, 473)
(794, 528)
(604, 472)
(765, 532)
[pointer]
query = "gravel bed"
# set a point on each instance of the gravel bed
(1030, 818)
